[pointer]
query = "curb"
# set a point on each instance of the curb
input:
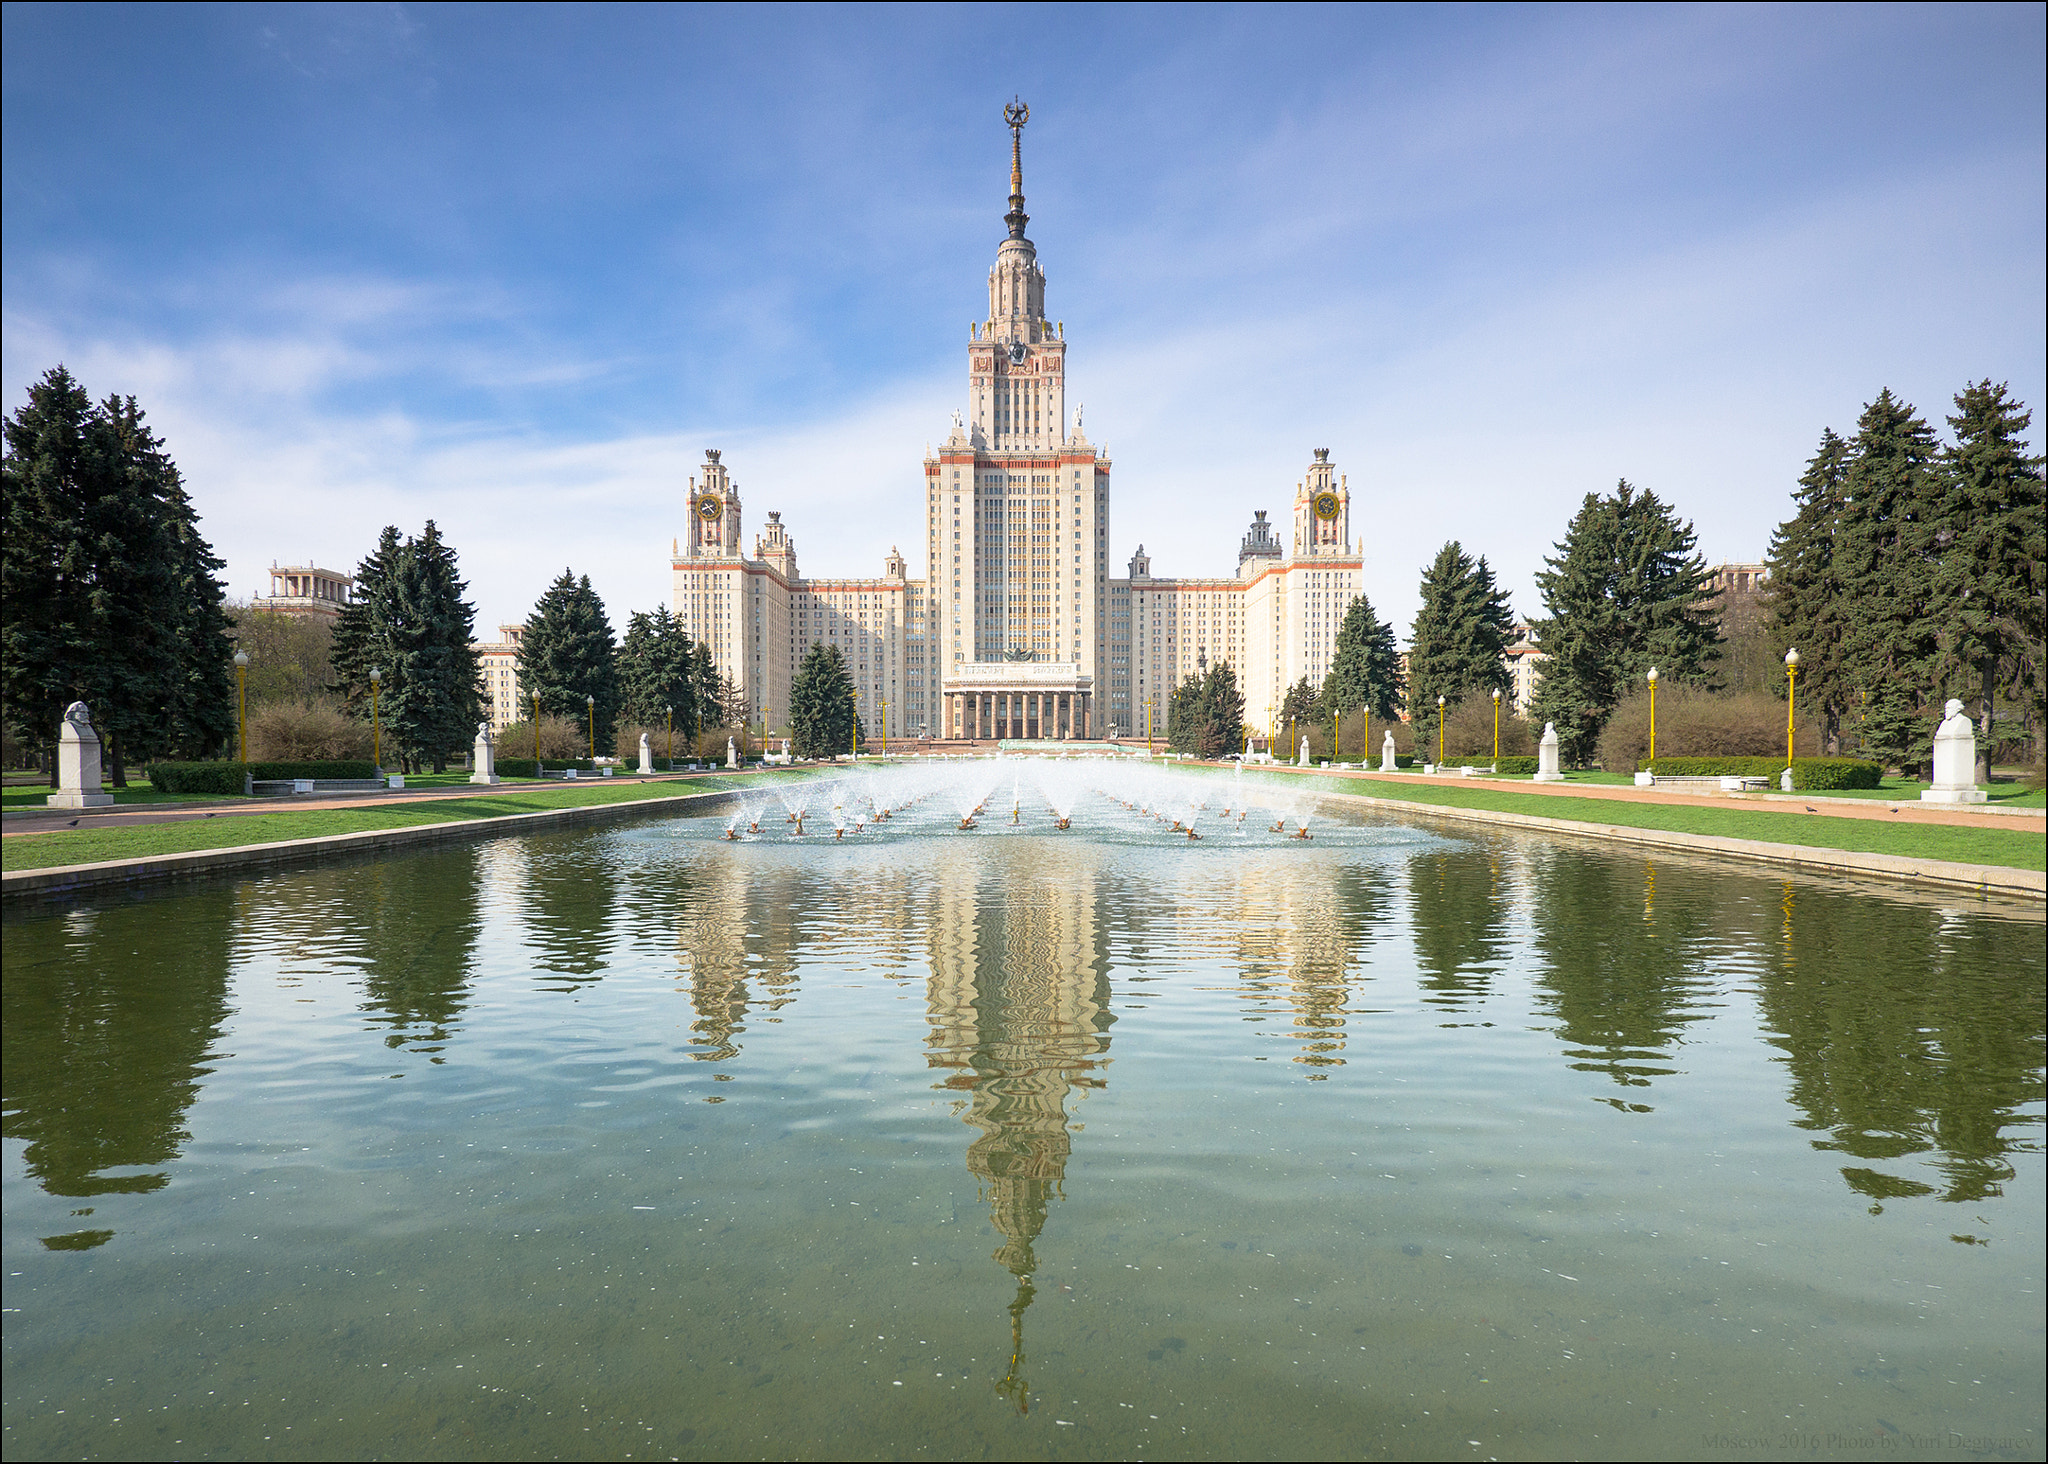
(1981, 879)
(69, 879)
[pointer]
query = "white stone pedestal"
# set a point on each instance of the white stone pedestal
(1955, 760)
(732, 754)
(78, 762)
(1547, 756)
(646, 755)
(1387, 763)
(483, 756)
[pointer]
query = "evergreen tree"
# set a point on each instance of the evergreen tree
(1989, 582)
(1301, 705)
(566, 655)
(1807, 608)
(362, 640)
(704, 686)
(1366, 671)
(1462, 631)
(657, 671)
(823, 719)
(1205, 715)
(433, 686)
(1625, 591)
(1884, 553)
(109, 591)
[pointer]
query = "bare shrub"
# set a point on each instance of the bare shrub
(627, 744)
(1468, 732)
(1360, 741)
(305, 729)
(559, 738)
(1694, 723)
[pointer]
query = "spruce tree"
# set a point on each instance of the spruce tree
(704, 686)
(1884, 553)
(362, 638)
(1301, 705)
(657, 671)
(566, 655)
(1461, 633)
(1205, 715)
(1625, 591)
(1807, 607)
(433, 691)
(1366, 671)
(822, 716)
(1989, 581)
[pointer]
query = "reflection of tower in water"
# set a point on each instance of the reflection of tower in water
(1019, 1011)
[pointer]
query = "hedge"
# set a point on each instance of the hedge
(1809, 774)
(224, 779)
(526, 767)
(1520, 766)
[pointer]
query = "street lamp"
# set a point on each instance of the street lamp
(1653, 717)
(536, 734)
(1439, 732)
(853, 733)
(590, 702)
(670, 713)
(1791, 699)
(376, 727)
(1496, 725)
(242, 701)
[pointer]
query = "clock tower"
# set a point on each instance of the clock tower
(1322, 511)
(714, 511)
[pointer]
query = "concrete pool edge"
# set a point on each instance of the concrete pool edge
(1981, 878)
(66, 879)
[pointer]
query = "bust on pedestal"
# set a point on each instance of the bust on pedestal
(1955, 760)
(732, 754)
(1387, 763)
(78, 762)
(1303, 761)
(484, 755)
(1546, 756)
(646, 755)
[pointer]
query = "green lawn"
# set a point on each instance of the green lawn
(38, 796)
(2013, 848)
(90, 845)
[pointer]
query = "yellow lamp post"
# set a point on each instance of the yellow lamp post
(885, 729)
(536, 734)
(670, 714)
(1439, 732)
(1336, 736)
(1496, 726)
(1148, 726)
(590, 705)
(376, 727)
(853, 697)
(1791, 699)
(242, 702)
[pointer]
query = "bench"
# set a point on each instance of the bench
(287, 787)
(1706, 782)
(573, 773)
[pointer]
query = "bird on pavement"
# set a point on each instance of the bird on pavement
(72, 825)
(1811, 809)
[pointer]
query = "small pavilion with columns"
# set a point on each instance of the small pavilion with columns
(1022, 700)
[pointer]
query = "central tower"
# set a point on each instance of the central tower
(1018, 518)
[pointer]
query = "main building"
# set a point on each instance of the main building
(1017, 629)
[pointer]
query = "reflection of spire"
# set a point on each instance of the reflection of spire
(1019, 1008)
(1015, 115)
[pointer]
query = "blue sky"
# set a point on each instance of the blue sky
(513, 269)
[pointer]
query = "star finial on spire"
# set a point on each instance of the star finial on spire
(1015, 115)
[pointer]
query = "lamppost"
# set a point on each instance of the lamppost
(376, 727)
(1439, 731)
(853, 732)
(1336, 735)
(242, 703)
(1496, 725)
(1148, 726)
(590, 703)
(885, 729)
(670, 714)
(536, 734)
(1791, 699)
(1652, 678)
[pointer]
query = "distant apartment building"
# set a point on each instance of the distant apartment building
(499, 663)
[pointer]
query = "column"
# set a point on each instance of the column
(1039, 699)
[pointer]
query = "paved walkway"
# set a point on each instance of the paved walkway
(1976, 816)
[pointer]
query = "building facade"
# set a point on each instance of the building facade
(1017, 629)
(304, 589)
(498, 661)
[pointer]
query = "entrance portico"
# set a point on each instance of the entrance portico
(1019, 700)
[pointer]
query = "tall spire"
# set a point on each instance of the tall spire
(1015, 115)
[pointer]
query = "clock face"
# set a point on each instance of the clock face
(1017, 353)
(709, 509)
(1327, 505)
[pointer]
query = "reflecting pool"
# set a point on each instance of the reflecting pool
(897, 1138)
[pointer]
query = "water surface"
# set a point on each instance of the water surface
(1013, 1142)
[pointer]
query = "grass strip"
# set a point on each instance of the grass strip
(2008, 848)
(142, 841)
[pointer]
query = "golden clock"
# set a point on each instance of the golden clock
(1327, 505)
(709, 509)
